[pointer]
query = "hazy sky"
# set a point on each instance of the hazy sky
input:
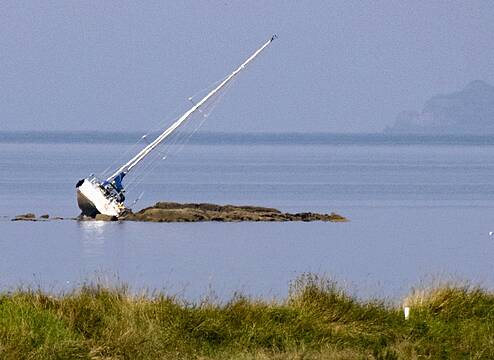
(338, 66)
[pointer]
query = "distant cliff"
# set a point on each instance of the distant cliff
(469, 111)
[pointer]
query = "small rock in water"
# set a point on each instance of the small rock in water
(25, 217)
(44, 216)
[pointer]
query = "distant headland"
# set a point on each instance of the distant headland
(469, 111)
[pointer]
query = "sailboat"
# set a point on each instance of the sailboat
(96, 196)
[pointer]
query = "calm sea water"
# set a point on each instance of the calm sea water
(420, 208)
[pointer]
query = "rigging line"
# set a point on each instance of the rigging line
(153, 162)
(148, 169)
(169, 143)
(172, 114)
(178, 140)
(138, 179)
(187, 138)
(122, 156)
(135, 179)
(133, 147)
(209, 87)
(156, 127)
(184, 134)
(209, 109)
(165, 120)
(173, 146)
(137, 199)
(144, 137)
(205, 89)
(159, 124)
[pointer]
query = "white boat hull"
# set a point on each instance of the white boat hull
(92, 200)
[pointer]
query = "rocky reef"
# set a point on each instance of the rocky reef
(176, 212)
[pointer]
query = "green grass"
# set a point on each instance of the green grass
(318, 320)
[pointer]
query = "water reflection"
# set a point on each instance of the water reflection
(104, 247)
(93, 238)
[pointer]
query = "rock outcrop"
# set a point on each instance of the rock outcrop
(175, 212)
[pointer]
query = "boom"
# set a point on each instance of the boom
(124, 169)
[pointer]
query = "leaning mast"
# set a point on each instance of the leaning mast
(125, 168)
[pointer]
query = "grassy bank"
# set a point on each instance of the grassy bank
(318, 320)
